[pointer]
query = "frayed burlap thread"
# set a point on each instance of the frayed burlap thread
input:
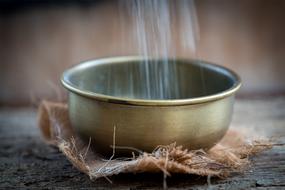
(229, 155)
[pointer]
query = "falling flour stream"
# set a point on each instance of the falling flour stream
(155, 26)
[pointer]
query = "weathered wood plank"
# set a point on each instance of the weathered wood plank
(27, 162)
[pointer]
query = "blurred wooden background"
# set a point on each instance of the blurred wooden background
(38, 42)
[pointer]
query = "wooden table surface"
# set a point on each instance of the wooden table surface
(26, 162)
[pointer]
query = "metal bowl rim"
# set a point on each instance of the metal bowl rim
(146, 102)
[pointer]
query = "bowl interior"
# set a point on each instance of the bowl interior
(155, 80)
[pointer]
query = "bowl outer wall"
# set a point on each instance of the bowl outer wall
(194, 126)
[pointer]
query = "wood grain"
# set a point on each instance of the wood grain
(26, 162)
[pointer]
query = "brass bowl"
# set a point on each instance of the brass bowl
(100, 97)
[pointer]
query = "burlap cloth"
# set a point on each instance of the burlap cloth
(229, 155)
